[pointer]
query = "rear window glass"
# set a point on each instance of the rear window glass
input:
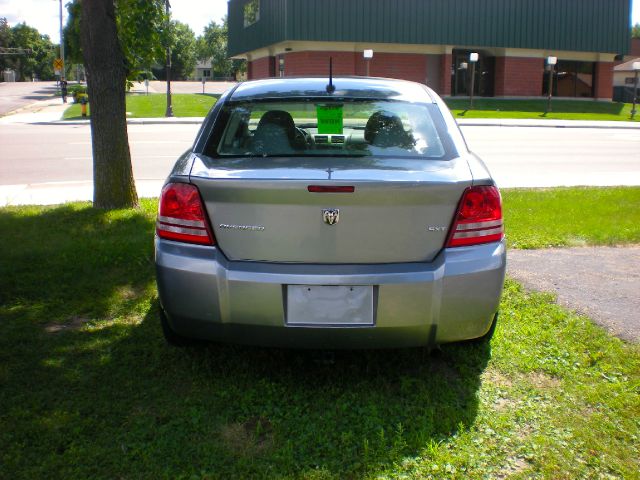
(321, 128)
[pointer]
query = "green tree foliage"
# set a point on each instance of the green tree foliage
(141, 26)
(5, 42)
(182, 42)
(38, 62)
(635, 31)
(213, 46)
(142, 32)
(71, 33)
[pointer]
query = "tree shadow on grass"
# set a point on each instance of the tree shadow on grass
(104, 396)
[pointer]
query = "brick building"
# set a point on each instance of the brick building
(429, 41)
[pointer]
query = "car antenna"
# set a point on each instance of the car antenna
(331, 87)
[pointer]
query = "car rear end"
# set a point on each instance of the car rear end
(368, 224)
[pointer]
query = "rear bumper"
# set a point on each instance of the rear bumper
(453, 298)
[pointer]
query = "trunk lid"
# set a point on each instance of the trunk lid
(261, 209)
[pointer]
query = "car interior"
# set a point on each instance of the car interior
(274, 132)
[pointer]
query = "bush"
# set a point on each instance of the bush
(76, 91)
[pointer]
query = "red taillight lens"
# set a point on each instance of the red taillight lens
(181, 215)
(479, 218)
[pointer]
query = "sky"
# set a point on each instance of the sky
(44, 14)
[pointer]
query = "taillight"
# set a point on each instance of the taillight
(181, 215)
(479, 218)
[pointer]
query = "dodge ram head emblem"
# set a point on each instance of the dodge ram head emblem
(330, 215)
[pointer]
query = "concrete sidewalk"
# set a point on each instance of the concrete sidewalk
(53, 193)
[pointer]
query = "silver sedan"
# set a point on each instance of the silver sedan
(340, 215)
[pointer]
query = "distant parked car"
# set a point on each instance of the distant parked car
(342, 216)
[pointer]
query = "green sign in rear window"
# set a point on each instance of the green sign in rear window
(329, 119)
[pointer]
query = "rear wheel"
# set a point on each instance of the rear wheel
(173, 338)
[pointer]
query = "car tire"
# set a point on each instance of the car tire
(172, 338)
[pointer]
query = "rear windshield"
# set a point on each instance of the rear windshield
(337, 128)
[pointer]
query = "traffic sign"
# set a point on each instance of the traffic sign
(58, 64)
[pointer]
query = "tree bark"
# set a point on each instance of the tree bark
(113, 184)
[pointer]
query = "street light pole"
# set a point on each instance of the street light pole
(473, 59)
(551, 61)
(169, 112)
(636, 68)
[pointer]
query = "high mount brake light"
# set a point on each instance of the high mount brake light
(331, 189)
(181, 215)
(478, 219)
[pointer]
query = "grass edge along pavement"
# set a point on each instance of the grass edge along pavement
(562, 109)
(154, 105)
(198, 105)
(90, 390)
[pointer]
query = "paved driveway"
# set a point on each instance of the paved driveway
(601, 282)
(15, 95)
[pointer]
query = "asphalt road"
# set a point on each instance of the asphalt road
(545, 157)
(62, 153)
(517, 156)
(16, 95)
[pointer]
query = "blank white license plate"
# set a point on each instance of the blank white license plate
(329, 305)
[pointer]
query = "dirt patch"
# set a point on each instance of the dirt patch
(74, 323)
(496, 378)
(249, 438)
(513, 467)
(600, 282)
(543, 381)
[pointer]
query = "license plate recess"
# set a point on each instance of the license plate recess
(330, 305)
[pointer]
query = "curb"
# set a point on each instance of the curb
(605, 124)
(505, 122)
(134, 121)
(621, 126)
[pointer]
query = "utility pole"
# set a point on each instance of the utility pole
(62, 73)
(169, 112)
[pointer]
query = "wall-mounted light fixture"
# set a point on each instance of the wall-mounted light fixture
(368, 55)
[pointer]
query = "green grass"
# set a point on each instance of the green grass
(89, 389)
(198, 105)
(155, 105)
(534, 109)
(576, 216)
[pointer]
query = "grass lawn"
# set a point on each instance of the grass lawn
(534, 109)
(155, 105)
(89, 389)
(577, 216)
(198, 105)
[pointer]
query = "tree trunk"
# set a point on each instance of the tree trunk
(113, 184)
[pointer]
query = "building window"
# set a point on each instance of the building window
(251, 12)
(206, 73)
(461, 74)
(571, 79)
